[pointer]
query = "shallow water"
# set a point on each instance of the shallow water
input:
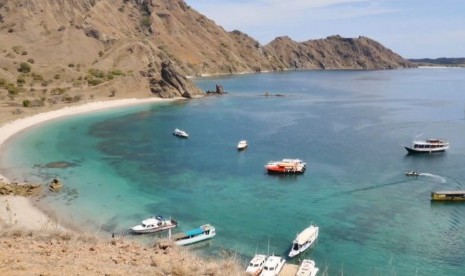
(349, 126)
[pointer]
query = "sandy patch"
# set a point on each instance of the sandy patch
(19, 211)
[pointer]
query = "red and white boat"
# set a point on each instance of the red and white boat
(286, 166)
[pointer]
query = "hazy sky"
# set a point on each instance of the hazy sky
(411, 28)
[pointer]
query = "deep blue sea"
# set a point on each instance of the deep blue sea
(349, 126)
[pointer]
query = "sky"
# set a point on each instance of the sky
(411, 28)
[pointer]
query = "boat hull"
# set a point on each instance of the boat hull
(195, 239)
(448, 196)
(137, 230)
(414, 151)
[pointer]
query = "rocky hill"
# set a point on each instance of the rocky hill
(67, 51)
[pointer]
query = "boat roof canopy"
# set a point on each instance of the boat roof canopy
(305, 235)
(194, 232)
(449, 192)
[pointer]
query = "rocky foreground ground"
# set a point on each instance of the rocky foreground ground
(50, 251)
(62, 253)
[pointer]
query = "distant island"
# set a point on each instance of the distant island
(448, 62)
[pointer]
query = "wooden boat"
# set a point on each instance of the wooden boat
(180, 133)
(286, 166)
(307, 268)
(202, 233)
(304, 240)
(154, 224)
(427, 146)
(273, 266)
(256, 265)
(448, 196)
(242, 145)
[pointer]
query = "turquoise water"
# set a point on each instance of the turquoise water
(349, 126)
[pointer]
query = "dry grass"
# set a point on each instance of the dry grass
(25, 252)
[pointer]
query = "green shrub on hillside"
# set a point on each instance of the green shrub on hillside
(20, 81)
(24, 67)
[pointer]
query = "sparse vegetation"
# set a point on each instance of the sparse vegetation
(17, 49)
(96, 76)
(24, 67)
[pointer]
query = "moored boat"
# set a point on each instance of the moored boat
(256, 265)
(304, 240)
(180, 133)
(448, 196)
(242, 145)
(154, 224)
(286, 166)
(427, 146)
(307, 268)
(202, 233)
(273, 266)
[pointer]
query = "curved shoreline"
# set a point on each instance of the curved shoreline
(22, 208)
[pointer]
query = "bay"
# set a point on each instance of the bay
(349, 126)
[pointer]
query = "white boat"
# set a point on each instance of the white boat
(273, 266)
(180, 133)
(242, 145)
(304, 240)
(307, 268)
(427, 146)
(256, 265)
(154, 224)
(202, 233)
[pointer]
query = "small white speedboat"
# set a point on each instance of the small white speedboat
(242, 145)
(180, 133)
(154, 224)
(304, 240)
(412, 173)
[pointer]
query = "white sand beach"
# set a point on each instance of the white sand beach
(20, 211)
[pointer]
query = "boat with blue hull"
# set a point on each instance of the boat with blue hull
(202, 233)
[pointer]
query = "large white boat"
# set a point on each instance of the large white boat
(180, 133)
(427, 146)
(304, 240)
(202, 233)
(154, 224)
(286, 166)
(273, 266)
(307, 268)
(242, 145)
(256, 265)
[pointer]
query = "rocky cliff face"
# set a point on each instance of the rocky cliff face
(146, 46)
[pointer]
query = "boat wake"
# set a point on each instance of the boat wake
(438, 177)
(362, 189)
